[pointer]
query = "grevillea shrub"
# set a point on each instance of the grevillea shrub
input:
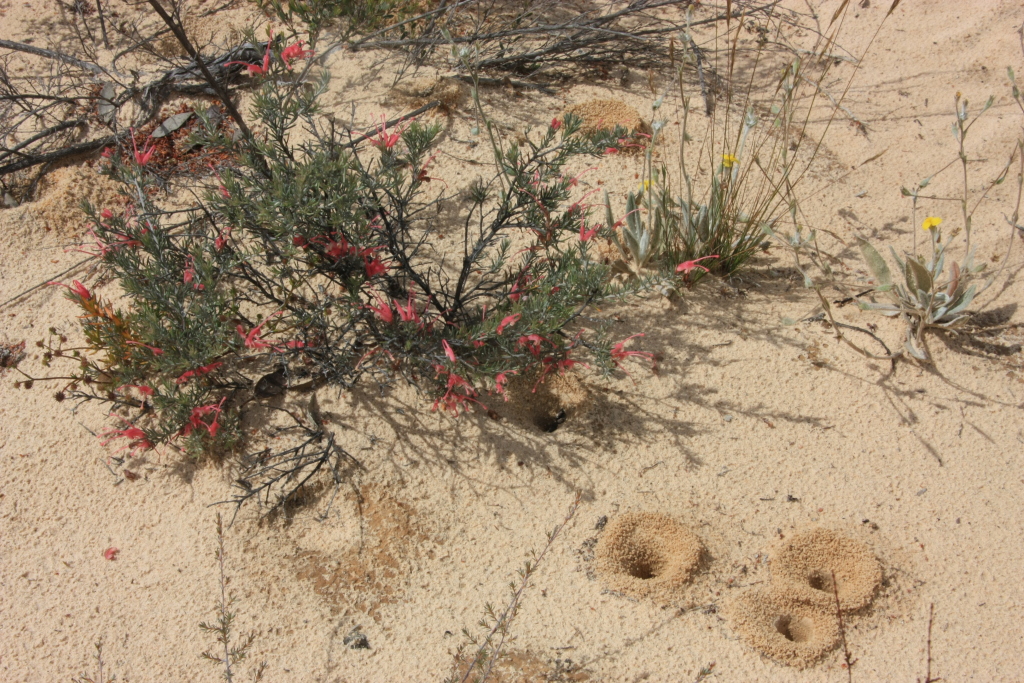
(316, 258)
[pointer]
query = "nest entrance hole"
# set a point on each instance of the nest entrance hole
(821, 581)
(795, 629)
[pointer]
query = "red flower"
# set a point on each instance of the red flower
(198, 372)
(508, 320)
(137, 438)
(155, 350)
(500, 380)
(408, 313)
(448, 350)
(142, 158)
(585, 234)
(383, 310)
(686, 266)
(256, 69)
(384, 138)
(77, 289)
(531, 342)
(374, 267)
(555, 124)
(252, 338)
(195, 419)
(619, 354)
(294, 51)
(110, 554)
(610, 150)
(107, 153)
(190, 275)
(143, 389)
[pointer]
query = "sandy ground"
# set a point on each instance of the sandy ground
(750, 434)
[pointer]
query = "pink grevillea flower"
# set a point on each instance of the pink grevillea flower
(500, 380)
(156, 351)
(458, 393)
(686, 266)
(448, 350)
(143, 389)
(385, 139)
(256, 69)
(252, 337)
(77, 288)
(222, 239)
(585, 234)
(137, 439)
(555, 124)
(293, 52)
(107, 153)
(190, 276)
(620, 354)
(408, 313)
(531, 342)
(508, 320)
(195, 420)
(383, 311)
(142, 158)
(374, 267)
(198, 372)
(610, 150)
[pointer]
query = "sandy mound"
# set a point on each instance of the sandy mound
(545, 406)
(645, 554)
(606, 114)
(803, 565)
(62, 192)
(788, 630)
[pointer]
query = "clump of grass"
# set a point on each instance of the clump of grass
(735, 187)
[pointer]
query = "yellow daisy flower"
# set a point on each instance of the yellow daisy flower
(931, 222)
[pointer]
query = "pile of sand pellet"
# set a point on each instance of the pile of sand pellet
(645, 554)
(803, 565)
(61, 193)
(543, 406)
(788, 630)
(606, 114)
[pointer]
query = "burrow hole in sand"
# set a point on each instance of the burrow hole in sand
(795, 629)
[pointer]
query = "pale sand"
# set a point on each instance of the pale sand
(749, 433)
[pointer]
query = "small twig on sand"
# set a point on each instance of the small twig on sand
(48, 280)
(928, 667)
(850, 661)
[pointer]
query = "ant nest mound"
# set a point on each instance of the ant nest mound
(803, 566)
(61, 194)
(544, 405)
(645, 554)
(606, 114)
(788, 630)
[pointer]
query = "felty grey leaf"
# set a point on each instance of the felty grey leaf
(171, 124)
